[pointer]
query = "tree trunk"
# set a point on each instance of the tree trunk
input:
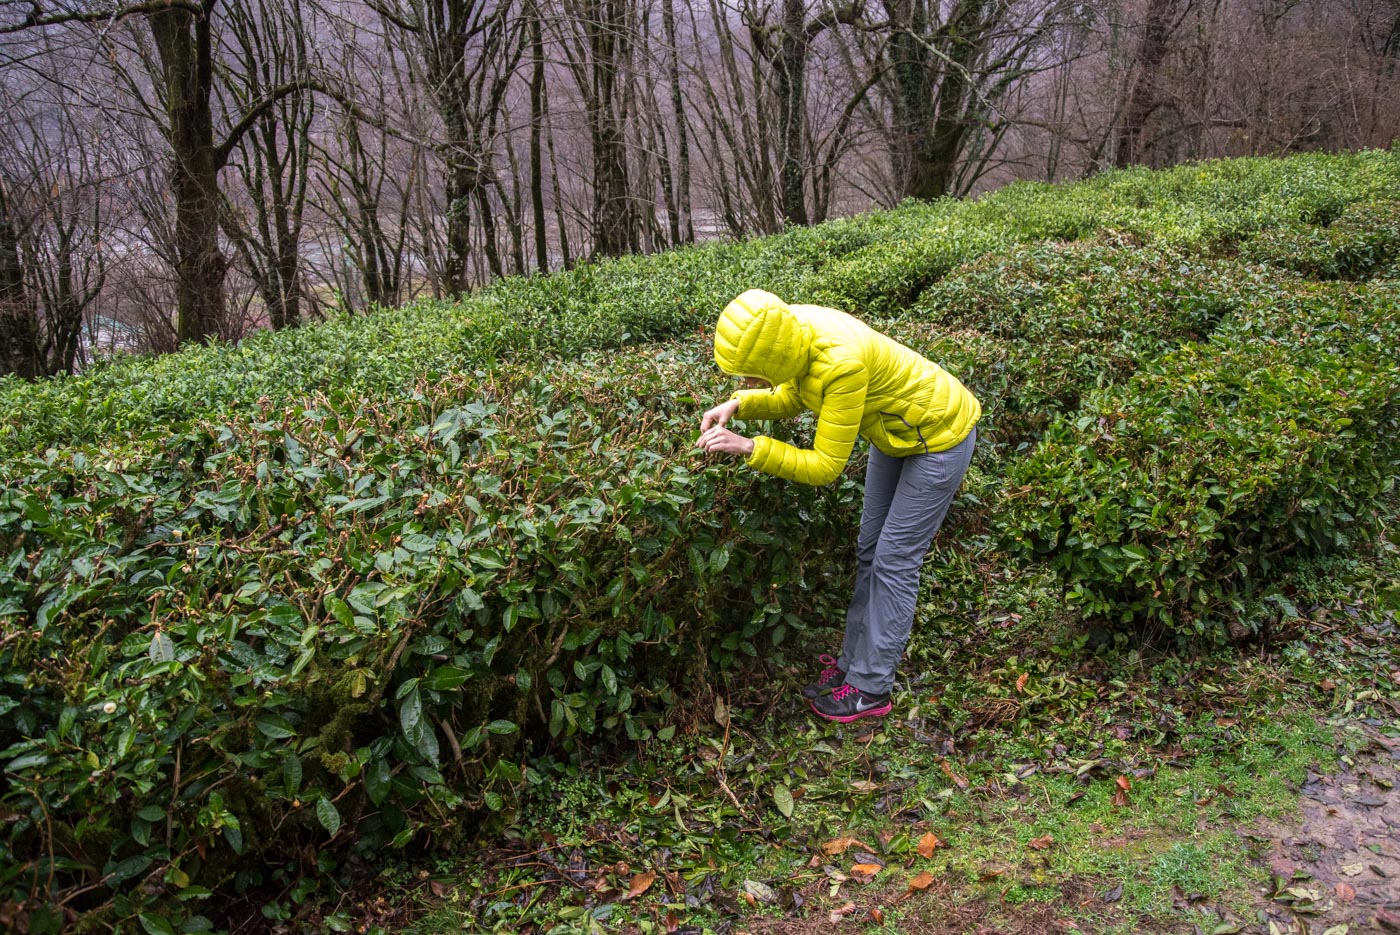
(1142, 91)
(19, 325)
(184, 44)
(791, 79)
(536, 149)
(668, 17)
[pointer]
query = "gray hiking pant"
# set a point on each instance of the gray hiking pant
(905, 502)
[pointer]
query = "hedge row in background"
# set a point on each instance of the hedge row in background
(1361, 243)
(1169, 498)
(1033, 328)
(872, 265)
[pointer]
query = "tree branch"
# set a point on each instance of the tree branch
(38, 20)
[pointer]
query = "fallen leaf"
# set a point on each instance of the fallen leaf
(928, 844)
(958, 781)
(1345, 892)
(1327, 685)
(1352, 870)
(877, 916)
(864, 873)
(782, 797)
(1041, 843)
(640, 884)
(1021, 682)
(721, 712)
(439, 888)
(921, 882)
(845, 910)
(1113, 895)
(865, 785)
(1124, 783)
(1226, 721)
(673, 922)
(841, 845)
(757, 889)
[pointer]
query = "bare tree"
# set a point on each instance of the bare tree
(468, 52)
(53, 216)
(269, 48)
(597, 40)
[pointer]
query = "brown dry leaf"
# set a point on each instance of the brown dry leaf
(1041, 843)
(640, 884)
(877, 915)
(1226, 721)
(1120, 799)
(958, 781)
(1124, 783)
(673, 921)
(841, 845)
(1345, 892)
(921, 882)
(1021, 682)
(928, 844)
(865, 785)
(864, 873)
(845, 910)
(439, 888)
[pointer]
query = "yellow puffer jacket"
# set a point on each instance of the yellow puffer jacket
(855, 379)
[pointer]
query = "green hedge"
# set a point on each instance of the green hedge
(1168, 499)
(349, 616)
(872, 266)
(1362, 243)
(1067, 318)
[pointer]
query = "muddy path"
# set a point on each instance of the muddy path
(1339, 864)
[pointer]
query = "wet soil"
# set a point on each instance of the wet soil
(1339, 863)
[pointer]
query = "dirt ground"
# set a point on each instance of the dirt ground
(1340, 865)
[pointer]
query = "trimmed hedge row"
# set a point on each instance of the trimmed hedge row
(1066, 318)
(871, 265)
(1362, 243)
(1168, 499)
(348, 616)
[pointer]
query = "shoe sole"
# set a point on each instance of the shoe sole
(881, 711)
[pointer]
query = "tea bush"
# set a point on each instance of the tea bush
(1362, 243)
(1072, 317)
(350, 615)
(872, 266)
(1168, 499)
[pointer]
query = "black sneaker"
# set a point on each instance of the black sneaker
(848, 703)
(830, 678)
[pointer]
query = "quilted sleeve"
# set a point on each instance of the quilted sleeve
(838, 424)
(780, 402)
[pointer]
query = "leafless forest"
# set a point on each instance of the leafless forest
(184, 170)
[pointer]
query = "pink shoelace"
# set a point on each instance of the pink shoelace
(843, 691)
(830, 672)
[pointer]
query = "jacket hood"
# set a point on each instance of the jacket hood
(759, 336)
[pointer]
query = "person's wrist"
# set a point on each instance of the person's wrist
(748, 447)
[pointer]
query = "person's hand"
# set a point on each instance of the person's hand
(719, 439)
(719, 415)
